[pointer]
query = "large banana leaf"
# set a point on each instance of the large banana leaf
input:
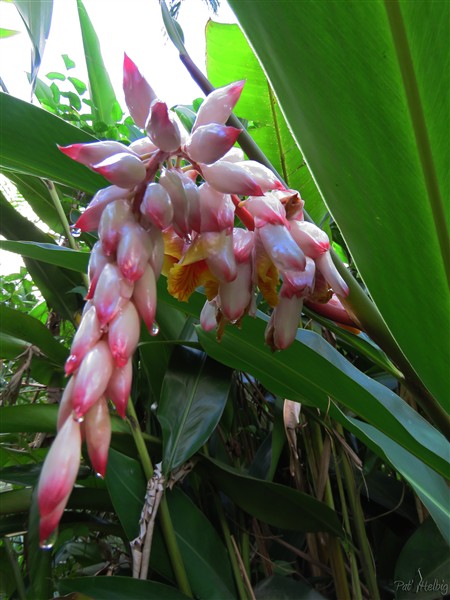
(365, 89)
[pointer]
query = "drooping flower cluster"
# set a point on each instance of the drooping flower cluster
(171, 209)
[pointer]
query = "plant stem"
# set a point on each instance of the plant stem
(21, 592)
(139, 440)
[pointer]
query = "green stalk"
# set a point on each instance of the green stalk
(139, 440)
(21, 592)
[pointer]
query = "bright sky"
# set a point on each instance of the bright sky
(131, 26)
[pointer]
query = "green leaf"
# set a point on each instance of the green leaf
(50, 253)
(55, 75)
(44, 94)
(6, 33)
(39, 155)
(118, 588)
(68, 62)
(230, 58)
(273, 503)
(365, 89)
(126, 485)
(193, 396)
(79, 85)
(100, 87)
(424, 564)
(280, 587)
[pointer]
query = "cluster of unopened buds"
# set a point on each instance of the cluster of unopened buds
(171, 209)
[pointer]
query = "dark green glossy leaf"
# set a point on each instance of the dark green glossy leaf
(101, 91)
(126, 484)
(365, 89)
(193, 396)
(50, 253)
(118, 588)
(230, 58)
(424, 563)
(20, 500)
(283, 588)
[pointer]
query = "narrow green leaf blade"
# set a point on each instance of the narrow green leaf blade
(50, 253)
(118, 588)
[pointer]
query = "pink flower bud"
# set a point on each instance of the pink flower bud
(59, 472)
(157, 205)
(138, 93)
(96, 263)
(235, 296)
(94, 152)
(162, 131)
(92, 378)
(312, 240)
(266, 209)
(231, 178)
(334, 310)
(143, 146)
(299, 283)
(210, 142)
(65, 404)
(216, 210)
(234, 155)
(208, 316)
(220, 256)
(49, 523)
(87, 335)
(97, 426)
(157, 257)
(219, 104)
(243, 244)
(283, 325)
(325, 265)
(119, 387)
(145, 296)
(262, 175)
(133, 251)
(111, 294)
(124, 170)
(113, 219)
(123, 334)
(281, 247)
(90, 219)
(184, 196)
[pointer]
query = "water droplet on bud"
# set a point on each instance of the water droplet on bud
(50, 541)
(99, 475)
(76, 417)
(155, 329)
(75, 231)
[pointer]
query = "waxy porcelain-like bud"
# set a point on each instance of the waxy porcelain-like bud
(58, 475)
(92, 378)
(208, 316)
(138, 93)
(65, 404)
(262, 175)
(157, 257)
(235, 296)
(325, 265)
(220, 256)
(133, 251)
(97, 262)
(243, 244)
(266, 209)
(231, 178)
(157, 205)
(145, 295)
(87, 335)
(162, 131)
(142, 146)
(216, 210)
(234, 155)
(334, 310)
(123, 334)
(124, 170)
(184, 196)
(281, 247)
(312, 240)
(299, 282)
(282, 327)
(219, 105)
(210, 142)
(94, 152)
(90, 219)
(119, 387)
(113, 219)
(111, 294)
(97, 427)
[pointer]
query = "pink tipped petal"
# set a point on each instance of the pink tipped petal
(90, 219)
(234, 297)
(133, 251)
(243, 244)
(65, 404)
(143, 146)
(216, 210)
(94, 152)
(312, 240)
(210, 142)
(92, 378)
(157, 257)
(262, 175)
(185, 201)
(266, 209)
(97, 262)
(97, 426)
(281, 247)
(123, 170)
(87, 335)
(138, 93)
(50, 522)
(208, 319)
(145, 296)
(334, 310)
(113, 219)
(112, 292)
(60, 468)
(231, 178)
(119, 387)
(325, 265)
(283, 325)
(123, 334)
(157, 205)
(234, 155)
(162, 131)
(219, 105)
(220, 255)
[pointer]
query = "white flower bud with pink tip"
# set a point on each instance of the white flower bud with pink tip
(325, 265)
(283, 325)
(220, 256)
(111, 294)
(234, 155)
(90, 219)
(97, 262)
(157, 257)
(312, 240)
(92, 153)
(142, 147)
(123, 334)
(124, 170)
(138, 93)
(231, 178)
(161, 129)
(208, 319)
(262, 175)
(216, 210)
(157, 205)
(145, 296)
(87, 335)
(219, 105)
(299, 282)
(184, 196)
(97, 427)
(58, 476)
(92, 378)
(119, 387)
(281, 247)
(113, 219)
(133, 251)
(65, 404)
(210, 142)
(266, 209)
